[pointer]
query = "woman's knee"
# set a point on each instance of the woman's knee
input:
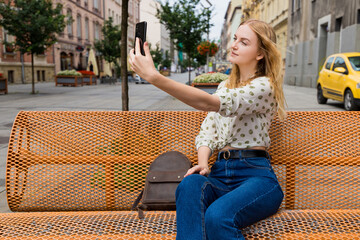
(191, 184)
(215, 217)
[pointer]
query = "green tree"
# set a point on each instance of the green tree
(186, 24)
(200, 59)
(34, 23)
(124, 56)
(167, 61)
(109, 47)
(156, 55)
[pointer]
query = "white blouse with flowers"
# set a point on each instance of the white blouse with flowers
(243, 119)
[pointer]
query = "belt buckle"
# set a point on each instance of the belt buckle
(226, 154)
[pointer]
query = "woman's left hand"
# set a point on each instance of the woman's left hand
(142, 65)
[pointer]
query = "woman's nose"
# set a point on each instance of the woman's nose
(233, 45)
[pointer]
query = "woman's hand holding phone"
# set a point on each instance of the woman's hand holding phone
(142, 65)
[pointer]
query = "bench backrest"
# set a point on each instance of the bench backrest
(65, 161)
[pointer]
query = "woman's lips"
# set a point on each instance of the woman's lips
(232, 53)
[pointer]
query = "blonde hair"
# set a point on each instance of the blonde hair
(270, 65)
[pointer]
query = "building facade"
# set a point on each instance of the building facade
(275, 12)
(113, 8)
(251, 9)
(17, 68)
(158, 35)
(232, 20)
(317, 29)
(75, 46)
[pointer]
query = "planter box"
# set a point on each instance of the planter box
(205, 85)
(165, 72)
(69, 80)
(89, 79)
(3, 85)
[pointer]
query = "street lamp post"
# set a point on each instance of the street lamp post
(208, 31)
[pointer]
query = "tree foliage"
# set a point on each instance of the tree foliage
(156, 55)
(186, 24)
(34, 23)
(109, 46)
(167, 61)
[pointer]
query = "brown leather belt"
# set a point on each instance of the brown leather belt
(244, 154)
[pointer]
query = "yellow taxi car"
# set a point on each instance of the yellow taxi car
(339, 79)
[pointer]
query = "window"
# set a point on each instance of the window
(329, 62)
(85, 3)
(69, 24)
(11, 76)
(78, 27)
(339, 62)
(355, 63)
(86, 28)
(293, 6)
(96, 4)
(358, 16)
(298, 4)
(43, 76)
(338, 23)
(7, 37)
(38, 75)
(96, 31)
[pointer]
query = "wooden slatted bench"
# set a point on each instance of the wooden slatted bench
(73, 175)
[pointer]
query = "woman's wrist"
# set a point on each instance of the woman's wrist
(153, 77)
(203, 162)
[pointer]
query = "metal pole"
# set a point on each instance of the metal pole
(22, 68)
(208, 38)
(207, 55)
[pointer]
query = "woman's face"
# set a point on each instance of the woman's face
(244, 49)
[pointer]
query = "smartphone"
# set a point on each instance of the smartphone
(140, 32)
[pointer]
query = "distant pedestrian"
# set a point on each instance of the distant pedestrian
(91, 67)
(241, 188)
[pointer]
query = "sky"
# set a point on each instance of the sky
(218, 15)
(217, 18)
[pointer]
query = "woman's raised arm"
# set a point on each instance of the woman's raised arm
(144, 67)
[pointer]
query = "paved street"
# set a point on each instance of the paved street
(104, 97)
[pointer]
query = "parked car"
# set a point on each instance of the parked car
(339, 79)
(139, 79)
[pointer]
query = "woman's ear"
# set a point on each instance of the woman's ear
(260, 56)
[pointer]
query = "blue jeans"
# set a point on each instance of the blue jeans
(237, 193)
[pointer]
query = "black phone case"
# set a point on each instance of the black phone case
(140, 32)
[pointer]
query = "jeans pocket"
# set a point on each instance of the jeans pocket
(257, 162)
(217, 168)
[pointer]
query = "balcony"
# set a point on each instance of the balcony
(96, 10)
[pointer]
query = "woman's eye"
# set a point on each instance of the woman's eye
(234, 38)
(243, 43)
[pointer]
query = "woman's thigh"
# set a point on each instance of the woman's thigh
(255, 199)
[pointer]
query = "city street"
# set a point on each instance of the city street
(105, 97)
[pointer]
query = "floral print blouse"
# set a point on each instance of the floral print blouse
(243, 119)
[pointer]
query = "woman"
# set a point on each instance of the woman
(242, 187)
